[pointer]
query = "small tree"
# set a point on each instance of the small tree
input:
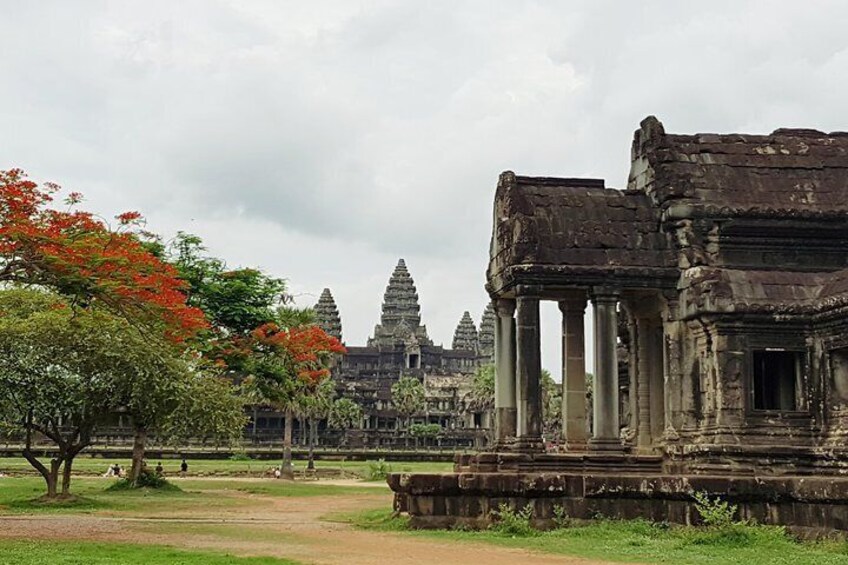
(316, 402)
(424, 431)
(280, 362)
(409, 398)
(65, 370)
(209, 408)
(482, 395)
(551, 405)
(344, 415)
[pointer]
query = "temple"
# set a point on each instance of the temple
(721, 275)
(400, 345)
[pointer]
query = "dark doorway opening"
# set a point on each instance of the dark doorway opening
(776, 378)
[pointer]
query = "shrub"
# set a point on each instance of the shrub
(561, 517)
(378, 470)
(714, 512)
(513, 522)
(146, 479)
(240, 456)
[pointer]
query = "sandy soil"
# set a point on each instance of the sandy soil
(285, 527)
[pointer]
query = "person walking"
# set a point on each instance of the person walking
(183, 468)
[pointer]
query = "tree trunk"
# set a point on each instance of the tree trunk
(53, 478)
(286, 469)
(313, 431)
(66, 476)
(49, 475)
(255, 416)
(139, 442)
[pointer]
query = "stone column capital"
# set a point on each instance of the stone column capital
(505, 307)
(605, 294)
(527, 291)
(573, 305)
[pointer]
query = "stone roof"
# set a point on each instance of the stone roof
(465, 335)
(716, 289)
(790, 172)
(559, 225)
(327, 315)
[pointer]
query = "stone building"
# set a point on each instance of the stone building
(400, 345)
(724, 266)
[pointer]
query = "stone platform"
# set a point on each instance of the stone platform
(808, 505)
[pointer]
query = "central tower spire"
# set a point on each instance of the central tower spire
(400, 320)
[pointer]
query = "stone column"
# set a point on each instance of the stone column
(528, 372)
(574, 430)
(606, 434)
(649, 348)
(505, 397)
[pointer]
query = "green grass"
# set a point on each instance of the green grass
(20, 552)
(640, 542)
(96, 466)
(21, 495)
(273, 487)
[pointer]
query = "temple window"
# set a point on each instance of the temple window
(414, 361)
(777, 377)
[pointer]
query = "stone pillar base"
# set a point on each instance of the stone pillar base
(602, 444)
(528, 445)
(505, 420)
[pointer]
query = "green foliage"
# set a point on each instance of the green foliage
(425, 430)
(513, 522)
(561, 517)
(74, 365)
(345, 414)
(208, 408)
(378, 470)
(317, 402)
(240, 456)
(408, 396)
(146, 480)
(714, 512)
(235, 301)
(483, 388)
(551, 405)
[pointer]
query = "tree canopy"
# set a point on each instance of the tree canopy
(64, 370)
(83, 258)
(408, 396)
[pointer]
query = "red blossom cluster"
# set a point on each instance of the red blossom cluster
(78, 255)
(308, 346)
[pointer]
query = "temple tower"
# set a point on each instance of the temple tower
(327, 315)
(465, 336)
(486, 336)
(400, 320)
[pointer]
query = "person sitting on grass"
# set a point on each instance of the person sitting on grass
(160, 471)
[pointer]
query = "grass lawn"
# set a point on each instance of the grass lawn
(92, 465)
(640, 542)
(19, 495)
(20, 552)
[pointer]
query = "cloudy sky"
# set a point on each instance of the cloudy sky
(322, 141)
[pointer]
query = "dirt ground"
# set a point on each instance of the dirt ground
(284, 527)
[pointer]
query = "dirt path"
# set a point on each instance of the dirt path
(275, 526)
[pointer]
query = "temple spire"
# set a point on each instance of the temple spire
(465, 336)
(486, 336)
(327, 315)
(400, 319)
